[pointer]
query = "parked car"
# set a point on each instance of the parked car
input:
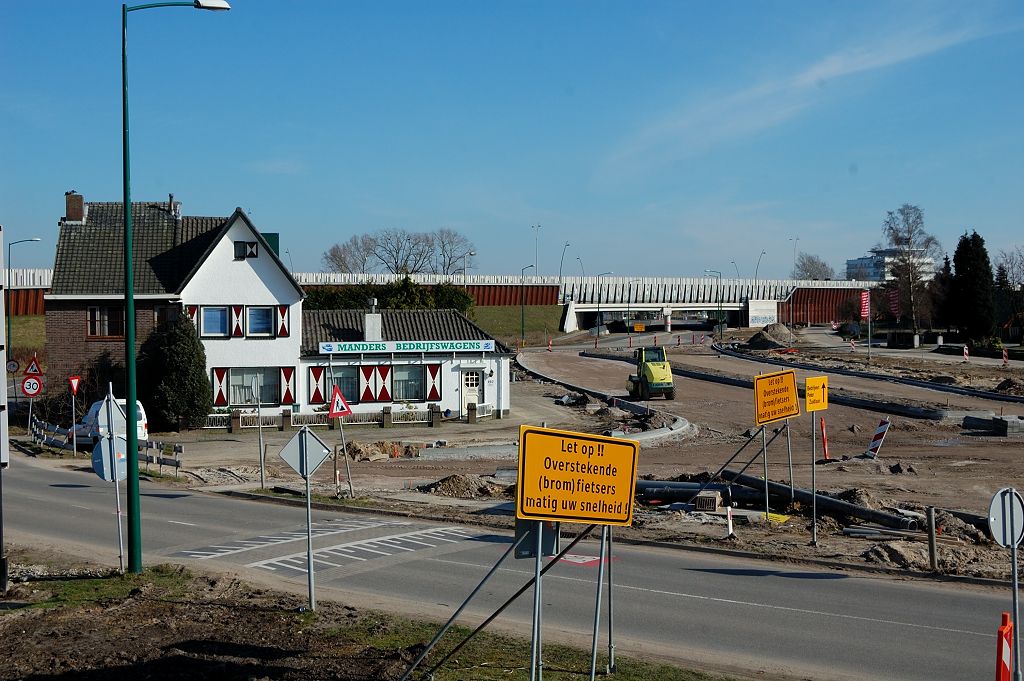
(89, 431)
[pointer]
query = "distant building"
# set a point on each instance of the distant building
(878, 265)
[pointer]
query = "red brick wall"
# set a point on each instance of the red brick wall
(67, 348)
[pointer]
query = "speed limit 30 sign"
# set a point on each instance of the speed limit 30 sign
(31, 386)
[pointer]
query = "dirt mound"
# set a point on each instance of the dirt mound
(376, 451)
(1010, 387)
(466, 487)
(898, 554)
(858, 496)
(771, 337)
(951, 526)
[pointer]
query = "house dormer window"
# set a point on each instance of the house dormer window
(246, 249)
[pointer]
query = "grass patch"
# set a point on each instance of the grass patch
(170, 580)
(505, 322)
(498, 656)
(28, 334)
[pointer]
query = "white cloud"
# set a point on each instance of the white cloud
(692, 129)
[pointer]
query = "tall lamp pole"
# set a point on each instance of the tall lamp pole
(465, 267)
(600, 317)
(560, 261)
(756, 267)
(629, 305)
(719, 296)
(132, 436)
(7, 289)
(522, 307)
(536, 248)
(584, 271)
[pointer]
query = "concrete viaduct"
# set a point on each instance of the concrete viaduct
(750, 302)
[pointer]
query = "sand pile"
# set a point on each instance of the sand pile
(466, 487)
(376, 451)
(771, 337)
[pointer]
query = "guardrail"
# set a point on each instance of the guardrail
(159, 453)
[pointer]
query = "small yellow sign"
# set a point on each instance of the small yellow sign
(639, 327)
(816, 393)
(576, 477)
(775, 397)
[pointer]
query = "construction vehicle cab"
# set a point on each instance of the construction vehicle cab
(653, 375)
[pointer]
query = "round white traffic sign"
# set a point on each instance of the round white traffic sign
(31, 386)
(1006, 517)
(13, 366)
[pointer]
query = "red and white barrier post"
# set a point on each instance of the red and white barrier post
(877, 439)
(967, 354)
(1004, 649)
(1006, 358)
(824, 438)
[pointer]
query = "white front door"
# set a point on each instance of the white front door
(470, 389)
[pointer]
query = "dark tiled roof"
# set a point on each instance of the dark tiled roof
(323, 326)
(90, 256)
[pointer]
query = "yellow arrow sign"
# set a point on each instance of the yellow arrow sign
(816, 393)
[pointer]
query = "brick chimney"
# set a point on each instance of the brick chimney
(75, 206)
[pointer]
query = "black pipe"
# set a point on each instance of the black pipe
(825, 503)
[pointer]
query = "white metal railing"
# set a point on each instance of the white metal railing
(410, 416)
(217, 421)
(317, 418)
(484, 409)
(364, 417)
(255, 421)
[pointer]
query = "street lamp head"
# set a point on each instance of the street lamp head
(471, 253)
(213, 5)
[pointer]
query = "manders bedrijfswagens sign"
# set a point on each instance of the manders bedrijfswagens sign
(407, 346)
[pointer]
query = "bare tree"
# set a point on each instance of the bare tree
(810, 266)
(451, 249)
(915, 251)
(403, 252)
(355, 255)
(1013, 263)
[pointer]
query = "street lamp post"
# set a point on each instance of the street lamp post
(756, 267)
(522, 306)
(600, 318)
(737, 268)
(560, 261)
(131, 415)
(719, 296)
(465, 268)
(629, 305)
(7, 290)
(536, 248)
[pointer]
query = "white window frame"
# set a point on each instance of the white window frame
(422, 369)
(268, 388)
(204, 332)
(248, 321)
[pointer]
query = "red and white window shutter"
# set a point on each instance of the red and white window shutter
(237, 321)
(193, 314)
(287, 385)
(375, 383)
(317, 380)
(283, 323)
(433, 381)
(220, 387)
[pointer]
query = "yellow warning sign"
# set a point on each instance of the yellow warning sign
(775, 397)
(564, 475)
(816, 393)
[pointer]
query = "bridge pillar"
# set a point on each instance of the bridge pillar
(667, 313)
(570, 322)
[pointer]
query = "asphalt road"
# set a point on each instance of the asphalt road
(718, 612)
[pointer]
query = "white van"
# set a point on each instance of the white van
(89, 429)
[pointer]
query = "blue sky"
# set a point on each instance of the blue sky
(658, 138)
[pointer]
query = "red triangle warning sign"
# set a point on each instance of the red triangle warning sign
(74, 381)
(33, 368)
(339, 407)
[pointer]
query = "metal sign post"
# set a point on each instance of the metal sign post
(600, 474)
(775, 399)
(339, 409)
(789, 456)
(106, 452)
(815, 399)
(304, 453)
(259, 426)
(1006, 523)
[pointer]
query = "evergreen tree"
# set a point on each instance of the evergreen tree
(447, 296)
(940, 289)
(176, 386)
(972, 289)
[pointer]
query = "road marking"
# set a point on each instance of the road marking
(730, 601)
(349, 550)
(178, 522)
(320, 529)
